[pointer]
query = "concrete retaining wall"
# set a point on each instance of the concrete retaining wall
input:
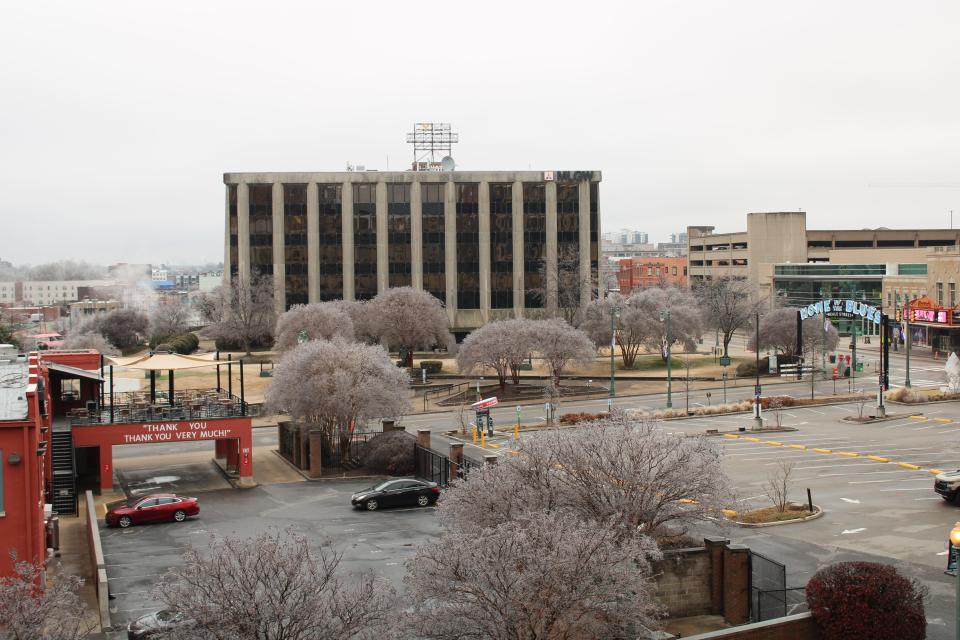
(684, 582)
(796, 627)
(98, 571)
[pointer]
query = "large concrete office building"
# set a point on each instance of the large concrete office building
(782, 238)
(483, 242)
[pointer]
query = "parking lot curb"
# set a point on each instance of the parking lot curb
(872, 419)
(759, 525)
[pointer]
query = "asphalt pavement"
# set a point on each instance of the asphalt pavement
(380, 541)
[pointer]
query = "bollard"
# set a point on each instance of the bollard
(483, 440)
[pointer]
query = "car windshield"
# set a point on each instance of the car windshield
(167, 615)
(383, 485)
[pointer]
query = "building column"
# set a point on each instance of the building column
(106, 466)
(346, 230)
(243, 232)
(483, 199)
(586, 277)
(518, 285)
(226, 235)
(313, 243)
(383, 263)
(552, 274)
(416, 235)
(450, 247)
(279, 254)
(601, 283)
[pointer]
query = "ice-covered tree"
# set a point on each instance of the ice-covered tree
(275, 586)
(409, 319)
(686, 319)
(335, 385)
(29, 611)
(89, 340)
(632, 328)
(627, 472)
(778, 332)
(544, 575)
(728, 305)
(503, 346)
(560, 344)
(169, 319)
(241, 312)
(317, 321)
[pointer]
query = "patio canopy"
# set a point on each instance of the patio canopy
(169, 362)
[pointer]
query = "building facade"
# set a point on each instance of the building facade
(783, 238)
(639, 273)
(48, 292)
(483, 242)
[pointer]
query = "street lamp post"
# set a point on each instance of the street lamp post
(909, 339)
(614, 314)
(665, 317)
(758, 419)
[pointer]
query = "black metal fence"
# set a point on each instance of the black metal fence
(138, 406)
(437, 467)
(766, 577)
(777, 603)
(344, 451)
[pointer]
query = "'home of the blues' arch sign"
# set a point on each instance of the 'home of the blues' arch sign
(841, 309)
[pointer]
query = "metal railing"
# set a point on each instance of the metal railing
(445, 390)
(437, 467)
(136, 406)
(777, 603)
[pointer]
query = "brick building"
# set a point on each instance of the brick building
(640, 273)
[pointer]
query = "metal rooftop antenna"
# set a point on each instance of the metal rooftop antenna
(432, 141)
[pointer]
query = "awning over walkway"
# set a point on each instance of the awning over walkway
(169, 362)
(74, 372)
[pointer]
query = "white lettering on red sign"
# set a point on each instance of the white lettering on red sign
(171, 432)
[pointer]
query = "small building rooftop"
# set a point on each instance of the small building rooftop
(14, 377)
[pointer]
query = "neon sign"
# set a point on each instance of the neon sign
(841, 308)
(929, 315)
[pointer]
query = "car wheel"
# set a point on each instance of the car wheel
(124, 522)
(423, 501)
(956, 499)
(179, 515)
(371, 505)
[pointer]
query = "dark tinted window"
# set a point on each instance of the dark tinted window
(398, 234)
(331, 241)
(434, 254)
(295, 243)
(468, 247)
(501, 246)
(365, 241)
(261, 227)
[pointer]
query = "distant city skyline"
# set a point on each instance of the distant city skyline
(119, 120)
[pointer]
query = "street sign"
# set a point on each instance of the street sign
(724, 361)
(724, 375)
(756, 390)
(485, 403)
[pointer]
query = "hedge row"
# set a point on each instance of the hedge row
(184, 343)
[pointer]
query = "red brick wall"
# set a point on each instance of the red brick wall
(639, 273)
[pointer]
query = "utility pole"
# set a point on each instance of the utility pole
(614, 314)
(665, 317)
(909, 339)
(758, 419)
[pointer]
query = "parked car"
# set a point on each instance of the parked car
(397, 493)
(947, 484)
(155, 625)
(157, 507)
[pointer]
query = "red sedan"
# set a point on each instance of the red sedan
(157, 507)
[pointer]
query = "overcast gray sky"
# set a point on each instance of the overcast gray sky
(118, 119)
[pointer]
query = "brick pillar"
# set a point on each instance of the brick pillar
(456, 460)
(388, 425)
(736, 584)
(423, 438)
(315, 467)
(715, 546)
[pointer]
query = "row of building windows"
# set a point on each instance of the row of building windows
(398, 240)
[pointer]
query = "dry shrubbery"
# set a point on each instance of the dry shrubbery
(390, 453)
(911, 396)
(739, 407)
(582, 416)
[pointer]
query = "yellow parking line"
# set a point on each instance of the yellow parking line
(687, 501)
(730, 435)
(877, 458)
(907, 465)
(495, 446)
(935, 472)
(752, 439)
(798, 446)
(943, 420)
(848, 454)
(730, 513)
(823, 450)
(773, 443)
(918, 417)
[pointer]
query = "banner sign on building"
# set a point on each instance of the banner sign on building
(841, 309)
